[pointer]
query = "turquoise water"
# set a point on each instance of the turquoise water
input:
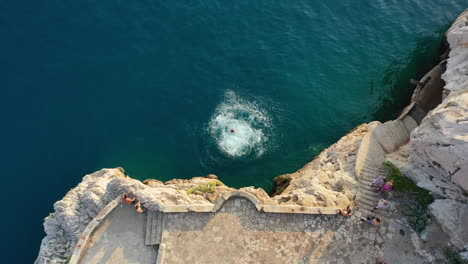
(157, 87)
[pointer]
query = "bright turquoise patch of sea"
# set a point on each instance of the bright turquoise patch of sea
(157, 86)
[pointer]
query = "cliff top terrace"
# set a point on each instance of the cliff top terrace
(239, 233)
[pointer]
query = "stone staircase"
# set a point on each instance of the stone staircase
(397, 131)
(154, 226)
(367, 197)
(391, 135)
(369, 165)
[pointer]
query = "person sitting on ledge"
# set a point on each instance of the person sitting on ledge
(375, 221)
(139, 208)
(126, 199)
(381, 204)
(388, 186)
(345, 212)
(378, 182)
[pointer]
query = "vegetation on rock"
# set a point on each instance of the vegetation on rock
(208, 187)
(451, 256)
(417, 213)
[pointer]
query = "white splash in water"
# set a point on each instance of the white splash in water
(239, 127)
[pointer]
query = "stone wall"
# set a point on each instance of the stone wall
(83, 208)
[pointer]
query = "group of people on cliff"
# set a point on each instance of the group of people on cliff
(132, 200)
(380, 184)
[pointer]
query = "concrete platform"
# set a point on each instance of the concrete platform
(120, 239)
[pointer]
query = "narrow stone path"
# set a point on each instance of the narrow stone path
(367, 196)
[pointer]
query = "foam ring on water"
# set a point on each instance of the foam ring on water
(239, 127)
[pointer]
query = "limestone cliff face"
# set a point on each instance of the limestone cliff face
(437, 156)
(438, 150)
(329, 180)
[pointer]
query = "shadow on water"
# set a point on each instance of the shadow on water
(396, 80)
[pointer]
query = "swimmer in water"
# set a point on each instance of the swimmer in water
(233, 131)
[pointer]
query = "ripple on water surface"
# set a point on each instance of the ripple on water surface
(240, 128)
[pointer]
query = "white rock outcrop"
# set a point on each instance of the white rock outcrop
(438, 150)
(457, 64)
(327, 181)
(453, 217)
(437, 156)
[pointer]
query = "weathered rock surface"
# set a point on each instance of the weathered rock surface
(437, 156)
(457, 64)
(453, 217)
(82, 203)
(438, 151)
(329, 180)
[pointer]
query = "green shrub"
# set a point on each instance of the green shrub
(403, 184)
(453, 256)
(417, 216)
(208, 187)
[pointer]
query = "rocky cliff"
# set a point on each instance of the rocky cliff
(329, 180)
(437, 156)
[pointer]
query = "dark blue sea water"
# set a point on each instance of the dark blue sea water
(157, 86)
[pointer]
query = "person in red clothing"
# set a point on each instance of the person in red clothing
(388, 186)
(126, 199)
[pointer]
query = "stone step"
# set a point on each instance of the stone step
(372, 169)
(153, 228)
(368, 158)
(370, 174)
(369, 178)
(156, 233)
(149, 217)
(391, 132)
(403, 129)
(373, 174)
(366, 203)
(370, 192)
(398, 134)
(364, 212)
(409, 123)
(374, 147)
(371, 160)
(366, 187)
(362, 197)
(366, 182)
(366, 206)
